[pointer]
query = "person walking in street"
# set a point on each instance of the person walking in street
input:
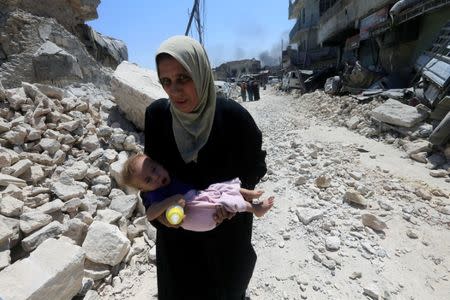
(255, 88)
(202, 139)
(250, 90)
(243, 87)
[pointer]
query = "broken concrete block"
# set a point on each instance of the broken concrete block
(134, 89)
(105, 244)
(397, 113)
(50, 63)
(53, 271)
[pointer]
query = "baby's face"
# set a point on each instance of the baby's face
(150, 175)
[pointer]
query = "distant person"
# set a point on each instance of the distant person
(162, 191)
(255, 88)
(243, 87)
(250, 90)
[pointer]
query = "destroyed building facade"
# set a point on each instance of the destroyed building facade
(237, 68)
(380, 45)
(385, 34)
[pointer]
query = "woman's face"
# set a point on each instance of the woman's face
(178, 84)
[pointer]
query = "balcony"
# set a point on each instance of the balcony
(295, 7)
(341, 17)
(294, 35)
(300, 28)
(419, 9)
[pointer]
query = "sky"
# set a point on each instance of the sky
(234, 29)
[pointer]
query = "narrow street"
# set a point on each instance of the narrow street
(313, 244)
(408, 260)
(355, 118)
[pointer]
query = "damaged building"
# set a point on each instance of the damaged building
(234, 69)
(384, 36)
(377, 46)
(311, 54)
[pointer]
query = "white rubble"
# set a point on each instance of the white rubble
(135, 88)
(67, 188)
(124, 204)
(107, 215)
(6, 180)
(105, 244)
(397, 113)
(33, 220)
(77, 171)
(52, 230)
(53, 271)
(307, 215)
(5, 258)
(10, 206)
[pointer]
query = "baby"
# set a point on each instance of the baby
(161, 191)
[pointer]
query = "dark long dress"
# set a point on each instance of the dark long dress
(217, 264)
(255, 87)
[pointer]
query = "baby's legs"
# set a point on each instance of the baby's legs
(261, 208)
(249, 195)
(258, 209)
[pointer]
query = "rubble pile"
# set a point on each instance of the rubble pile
(338, 229)
(342, 226)
(48, 42)
(63, 139)
(59, 167)
(342, 213)
(369, 118)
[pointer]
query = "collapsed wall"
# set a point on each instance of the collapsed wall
(48, 42)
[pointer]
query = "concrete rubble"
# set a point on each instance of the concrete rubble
(63, 141)
(390, 121)
(353, 227)
(48, 42)
(60, 183)
(53, 271)
(68, 123)
(142, 86)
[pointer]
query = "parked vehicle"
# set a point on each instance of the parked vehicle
(273, 80)
(318, 78)
(306, 80)
(293, 80)
(223, 88)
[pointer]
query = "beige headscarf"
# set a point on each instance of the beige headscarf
(191, 130)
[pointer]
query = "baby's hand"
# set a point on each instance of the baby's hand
(181, 202)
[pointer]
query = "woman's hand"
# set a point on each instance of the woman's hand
(162, 219)
(181, 202)
(222, 214)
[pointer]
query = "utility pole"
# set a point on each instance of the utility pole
(195, 13)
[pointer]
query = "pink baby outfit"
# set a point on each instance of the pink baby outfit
(201, 205)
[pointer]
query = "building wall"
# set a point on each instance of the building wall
(294, 8)
(236, 68)
(289, 57)
(368, 53)
(307, 21)
(401, 56)
(344, 14)
(431, 25)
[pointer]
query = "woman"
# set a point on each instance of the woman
(202, 140)
(243, 87)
